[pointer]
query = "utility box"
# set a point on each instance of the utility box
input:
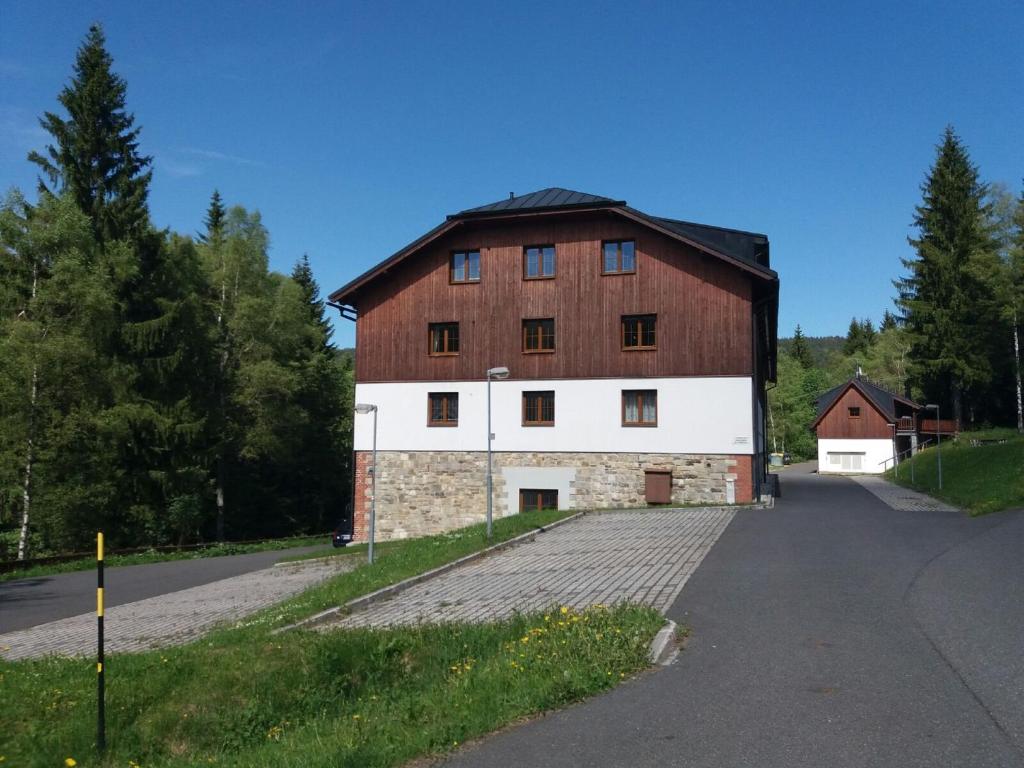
(658, 486)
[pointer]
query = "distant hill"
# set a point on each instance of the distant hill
(821, 346)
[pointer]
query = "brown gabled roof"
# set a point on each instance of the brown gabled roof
(746, 250)
(882, 399)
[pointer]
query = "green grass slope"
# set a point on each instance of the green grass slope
(980, 479)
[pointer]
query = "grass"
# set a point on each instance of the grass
(981, 479)
(245, 697)
(152, 556)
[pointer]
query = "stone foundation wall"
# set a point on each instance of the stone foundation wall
(426, 492)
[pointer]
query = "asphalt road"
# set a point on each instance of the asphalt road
(28, 602)
(830, 631)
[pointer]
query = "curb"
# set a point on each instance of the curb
(664, 650)
(310, 561)
(386, 592)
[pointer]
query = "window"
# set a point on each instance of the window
(847, 462)
(638, 332)
(618, 257)
(639, 407)
(534, 499)
(538, 262)
(444, 338)
(464, 267)
(538, 409)
(854, 412)
(443, 409)
(539, 335)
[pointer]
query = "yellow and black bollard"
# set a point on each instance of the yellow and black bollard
(101, 726)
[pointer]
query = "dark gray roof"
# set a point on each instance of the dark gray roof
(747, 250)
(882, 398)
(751, 247)
(552, 197)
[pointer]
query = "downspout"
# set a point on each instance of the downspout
(349, 313)
(755, 396)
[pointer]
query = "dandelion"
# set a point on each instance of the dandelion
(70, 762)
(564, 610)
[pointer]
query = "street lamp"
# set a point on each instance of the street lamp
(364, 408)
(938, 438)
(492, 373)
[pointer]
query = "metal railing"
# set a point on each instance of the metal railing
(897, 459)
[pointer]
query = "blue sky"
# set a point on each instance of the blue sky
(355, 127)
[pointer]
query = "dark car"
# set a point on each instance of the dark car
(342, 533)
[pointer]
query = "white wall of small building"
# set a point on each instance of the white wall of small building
(695, 415)
(873, 460)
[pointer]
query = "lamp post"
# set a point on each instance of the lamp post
(365, 408)
(938, 438)
(492, 373)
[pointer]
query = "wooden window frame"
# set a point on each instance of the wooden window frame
(619, 271)
(540, 262)
(539, 395)
(539, 332)
(853, 411)
(430, 339)
(444, 422)
(451, 266)
(540, 498)
(652, 318)
(640, 407)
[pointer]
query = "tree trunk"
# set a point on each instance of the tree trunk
(30, 446)
(958, 404)
(26, 497)
(223, 410)
(220, 497)
(1016, 359)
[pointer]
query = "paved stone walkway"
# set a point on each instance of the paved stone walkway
(171, 619)
(899, 498)
(643, 556)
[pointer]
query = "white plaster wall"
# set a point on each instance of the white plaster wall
(875, 451)
(551, 478)
(695, 415)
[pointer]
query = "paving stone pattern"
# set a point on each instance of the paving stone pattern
(643, 556)
(899, 498)
(171, 619)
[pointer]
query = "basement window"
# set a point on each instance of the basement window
(535, 499)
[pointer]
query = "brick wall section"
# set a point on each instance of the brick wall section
(744, 471)
(426, 492)
(361, 496)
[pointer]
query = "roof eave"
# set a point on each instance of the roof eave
(640, 217)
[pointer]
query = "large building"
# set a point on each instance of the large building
(862, 427)
(638, 349)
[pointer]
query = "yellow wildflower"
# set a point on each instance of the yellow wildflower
(70, 762)
(564, 610)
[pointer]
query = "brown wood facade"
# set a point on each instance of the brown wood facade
(838, 423)
(703, 306)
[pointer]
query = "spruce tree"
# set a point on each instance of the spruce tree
(854, 338)
(947, 297)
(96, 153)
(214, 220)
(888, 321)
(868, 332)
(800, 351)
